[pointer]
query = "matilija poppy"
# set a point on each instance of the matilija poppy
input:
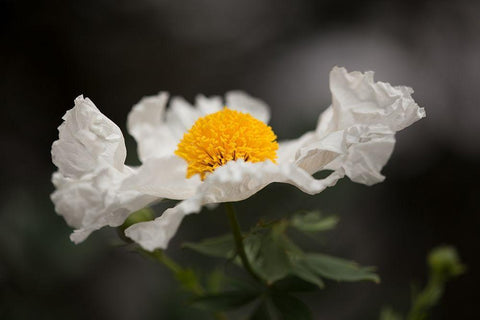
(217, 151)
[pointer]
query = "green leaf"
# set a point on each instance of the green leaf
(215, 281)
(291, 308)
(293, 284)
(302, 271)
(189, 281)
(145, 214)
(272, 260)
(225, 300)
(245, 285)
(297, 266)
(313, 221)
(264, 311)
(389, 314)
(223, 246)
(338, 269)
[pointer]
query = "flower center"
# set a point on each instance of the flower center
(226, 135)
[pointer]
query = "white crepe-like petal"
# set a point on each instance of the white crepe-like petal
(146, 124)
(157, 130)
(358, 100)
(90, 155)
(240, 101)
(357, 132)
(163, 178)
(87, 139)
(354, 137)
(94, 201)
(235, 181)
(181, 116)
(208, 105)
(287, 149)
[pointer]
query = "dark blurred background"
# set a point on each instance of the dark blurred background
(115, 52)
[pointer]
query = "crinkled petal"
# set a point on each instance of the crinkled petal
(208, 105)
(181, 116)
(87, 139)
(146, 124)
(357, 133)
(158, 130)
(94, 201)
(287, 149)
(358, 100)
(235, 181)
(163, 178)
(354, 137)
(240, 101)
(90, 156)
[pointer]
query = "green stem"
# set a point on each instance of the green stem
(426, 299)
(177, 270)
(237, 235)
(190, 283)
(161, 257)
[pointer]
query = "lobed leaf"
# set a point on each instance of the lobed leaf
(339, 269)
(313, 221)
(222, 247)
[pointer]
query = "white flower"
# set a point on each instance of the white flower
(355, 137)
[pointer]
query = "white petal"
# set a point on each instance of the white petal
(87, 139)
(357, 132)
(156, 234)
(369, 150)
(163, 178)
(158, 129)
(90, 156)
(240, 101)
(94, 201)
(354, 137)
(358, 100)
(317, 153)
(181, 116)
(208, 105)
(287, 149)
(147, 125)
(235, 181)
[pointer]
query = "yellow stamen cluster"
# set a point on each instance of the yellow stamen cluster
(226, 135)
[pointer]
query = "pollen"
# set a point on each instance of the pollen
(223, 136)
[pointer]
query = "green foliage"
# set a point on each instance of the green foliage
(214, 281)
(272, 260)
(278, 265)
(279, 268)
(274, 256)
(145, 214)
(189, 280)
(339, 269)
(224, 301)
(220, 247)
(313, 221)
(290, 307)
(264, 311)
(389, 314)
(305, 272)
(444, 264)
(294, 284)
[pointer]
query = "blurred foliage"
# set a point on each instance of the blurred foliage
(444, 264)
(279, 267)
